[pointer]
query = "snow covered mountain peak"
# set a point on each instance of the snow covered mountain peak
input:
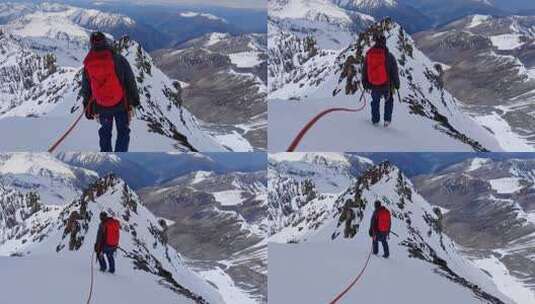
(329, 172)
(366, 5)
(325, 159)
(341, 223)
(203, 15)
(302, 189)
(34, 164)
(424, 99)
(145, 257)
(315, 10)
(50, 70)
(57, 182)
(87, 158)
(59, 21)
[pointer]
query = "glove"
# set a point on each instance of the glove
(371, 233)
(131, 114)
(97, 249)
(88, 111)
(397, 86)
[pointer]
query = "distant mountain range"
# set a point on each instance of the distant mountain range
(176, 23)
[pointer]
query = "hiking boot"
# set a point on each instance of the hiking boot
(375, 124)
(385, 256)
(387, 124)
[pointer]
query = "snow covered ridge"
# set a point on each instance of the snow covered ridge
(366, 5)
(425, 101)
(81, 16)
(203, 15)
(36, 85)
(144, 255)
(19, 214)
(161, 110)
(423, 88)
(315, 10)
(29, 78)
(302, 189)
(41, 54)
(420, 244)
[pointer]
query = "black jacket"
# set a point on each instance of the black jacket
(392, 69)
(128, 81)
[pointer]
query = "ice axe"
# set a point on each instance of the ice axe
(399, 96)
(362, 95)
(394, 234)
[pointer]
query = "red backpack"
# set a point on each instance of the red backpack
(113, 228)
(376, 64)
(105, 85)
(383, 220)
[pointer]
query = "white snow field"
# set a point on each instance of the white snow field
(348, 131)
(317, 272)
(507, 41)
(506, 184)
(505, 282)
(229, 197)
(245, 59)
(71, 280)
(429, 118)
(314, 264)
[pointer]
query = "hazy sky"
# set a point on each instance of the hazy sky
(257, 4)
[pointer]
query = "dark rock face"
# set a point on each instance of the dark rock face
(488, 222)
(211, 231)
(483, 75)
(219, 91)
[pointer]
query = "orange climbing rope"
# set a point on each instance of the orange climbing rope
(295, 143)
(343, 293)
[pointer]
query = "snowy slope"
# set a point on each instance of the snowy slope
(428, 118)
(425, 265)
(40, 63)
(147, 261)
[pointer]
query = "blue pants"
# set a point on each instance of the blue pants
(107, 252)
(376, 102)
(123, 131)
(381, 237)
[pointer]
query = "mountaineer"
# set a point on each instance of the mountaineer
(380, 229)
(380, 74)
(109, 92)
(107, 241)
